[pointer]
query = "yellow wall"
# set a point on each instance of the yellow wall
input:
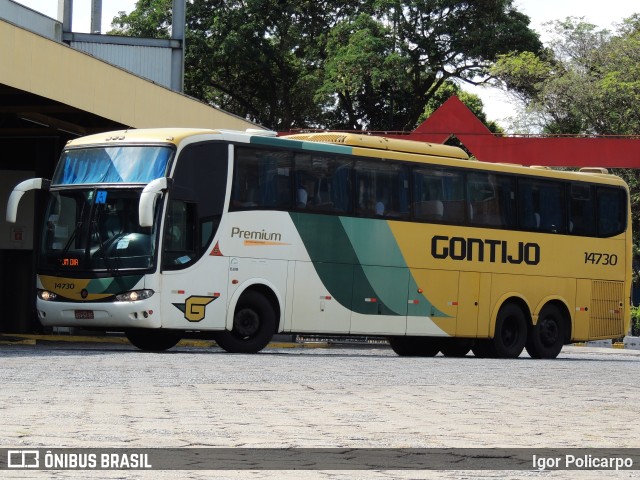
(41, 66)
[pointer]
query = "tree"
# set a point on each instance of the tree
(370, 64)
(381, 70)
(586, 82)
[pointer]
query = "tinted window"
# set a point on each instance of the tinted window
(492, 200)
(261, 179)
(382, 189)
(323, 183)
(196, 202)
(581, 211)
(541, 205)
(612, 211)
(439, 195)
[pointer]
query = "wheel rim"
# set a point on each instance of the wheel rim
(548, 332)
(510, 332)
(246, 322)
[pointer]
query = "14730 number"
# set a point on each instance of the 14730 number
(600, 258)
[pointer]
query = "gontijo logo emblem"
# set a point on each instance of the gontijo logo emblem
(194, 307)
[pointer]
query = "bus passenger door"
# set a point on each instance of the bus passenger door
(468, 304)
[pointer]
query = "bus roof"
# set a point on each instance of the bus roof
(144, 135)
(382, 143)
(448, 154)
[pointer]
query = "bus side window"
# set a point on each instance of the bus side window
(611, 211)
(541, 205)
(492, 199)
(581, 210)
(428, 194)
(456, 208)
(327, 180)
(382, 189)
(261, 179)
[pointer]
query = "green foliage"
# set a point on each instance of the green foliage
(586, 82)
(370, 64)
(150, 19)
(635, 321)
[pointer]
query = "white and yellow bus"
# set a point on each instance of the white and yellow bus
(237, 236)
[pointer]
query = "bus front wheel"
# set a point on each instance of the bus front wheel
(152, 340)
(546, 337)
(254, 323)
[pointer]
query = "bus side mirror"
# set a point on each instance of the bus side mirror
(148, 200)
(21, 189)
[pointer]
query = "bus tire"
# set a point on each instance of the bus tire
(414, 346)
(484, 349)
(153, 340)
(254, 323)
(546, 337)
(510, 335)
(456, 348)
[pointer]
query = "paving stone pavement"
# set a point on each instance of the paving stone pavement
(87, 395)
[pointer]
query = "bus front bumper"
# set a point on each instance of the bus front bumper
(139, 314)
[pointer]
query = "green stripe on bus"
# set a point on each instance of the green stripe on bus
(359, 262)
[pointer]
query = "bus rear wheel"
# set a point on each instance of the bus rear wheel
(152, 340)
(414, 346)
(254, 323)
(511, 331)
(546, 337)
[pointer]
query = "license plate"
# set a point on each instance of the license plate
(84, 314)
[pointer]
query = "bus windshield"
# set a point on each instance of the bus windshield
(124, 164)
(96, 230)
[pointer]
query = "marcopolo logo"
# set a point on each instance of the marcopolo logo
(481, 250)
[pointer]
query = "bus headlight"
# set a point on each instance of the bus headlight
(46, 295)
(134, 295)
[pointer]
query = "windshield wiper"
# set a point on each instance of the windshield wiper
(102, 253)
(72, 237)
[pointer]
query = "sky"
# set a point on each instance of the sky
(496, 105)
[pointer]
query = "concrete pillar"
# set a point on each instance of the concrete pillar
(96, 16)
(65, 15)
(177, 54)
